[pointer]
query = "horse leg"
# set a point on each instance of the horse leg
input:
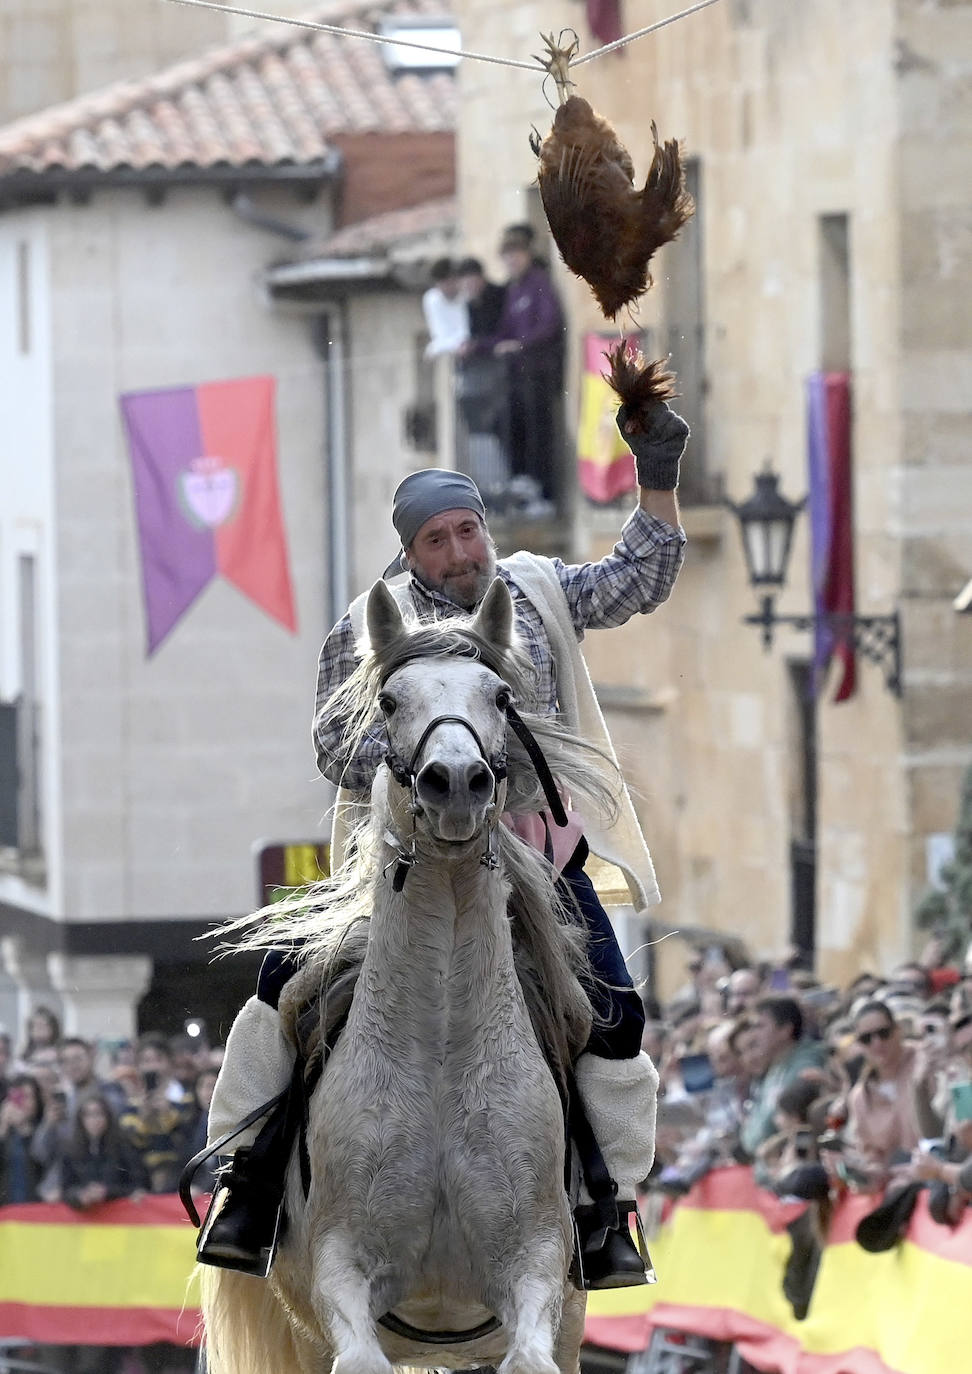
(342, 1300)
(530, 1309)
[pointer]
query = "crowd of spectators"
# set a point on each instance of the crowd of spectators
(821, 1089)
(84, 1123)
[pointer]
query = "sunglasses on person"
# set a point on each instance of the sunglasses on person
(882, 1033)
(962, 1022)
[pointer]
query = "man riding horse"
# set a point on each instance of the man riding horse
(450, 560)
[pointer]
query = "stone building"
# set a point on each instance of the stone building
(139, 229)
(828, 148)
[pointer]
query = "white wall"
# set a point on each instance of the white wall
(27, 504)
(174, 766)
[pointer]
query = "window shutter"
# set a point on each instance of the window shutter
(9, 775)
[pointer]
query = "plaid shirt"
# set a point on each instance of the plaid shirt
(632, 580)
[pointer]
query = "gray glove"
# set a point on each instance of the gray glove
(657, 445)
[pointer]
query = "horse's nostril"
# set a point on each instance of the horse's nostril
(434, 780)
(479, 780)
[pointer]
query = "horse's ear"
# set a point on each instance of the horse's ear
(494, 619)
(382, 617)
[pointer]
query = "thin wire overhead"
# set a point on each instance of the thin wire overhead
(532, 66)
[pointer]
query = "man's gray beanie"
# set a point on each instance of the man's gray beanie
(424, 494)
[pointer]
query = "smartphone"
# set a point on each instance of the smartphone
(780, 980)
(962, 1101)
(151, 1080)
(696, 1073)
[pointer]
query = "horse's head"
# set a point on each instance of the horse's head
(444, 708)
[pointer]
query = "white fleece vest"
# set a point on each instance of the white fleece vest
(624, 844)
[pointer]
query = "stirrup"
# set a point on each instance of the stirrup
(257, 1264)
(579, 1274)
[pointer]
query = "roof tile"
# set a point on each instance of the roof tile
(274, 98)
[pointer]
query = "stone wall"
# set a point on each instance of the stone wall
(933, 485)
(796, 113)
(174, 766)
(53, 50)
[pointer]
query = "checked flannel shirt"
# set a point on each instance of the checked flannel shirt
(632, 580)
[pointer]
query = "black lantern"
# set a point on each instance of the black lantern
(766, 520)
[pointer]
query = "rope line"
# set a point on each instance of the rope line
(651, 28)
(535, 65)
(371, 37)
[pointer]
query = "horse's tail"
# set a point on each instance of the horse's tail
(246, 1328)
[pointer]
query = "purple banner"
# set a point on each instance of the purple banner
(178, 560)
(819, 506)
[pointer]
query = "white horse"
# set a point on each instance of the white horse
(436, 1229)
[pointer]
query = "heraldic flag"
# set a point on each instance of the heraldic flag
(831, 521)
(204, 466)
(606, 467)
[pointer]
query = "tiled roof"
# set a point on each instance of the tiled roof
(271, 101)
(396, 229)
(391, 245)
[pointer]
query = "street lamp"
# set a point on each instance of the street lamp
(766, 519)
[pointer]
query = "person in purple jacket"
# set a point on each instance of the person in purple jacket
(530, 338)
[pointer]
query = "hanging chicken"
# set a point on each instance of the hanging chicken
(605, 229)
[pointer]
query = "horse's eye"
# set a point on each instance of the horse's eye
(387, 704)
(504, 698)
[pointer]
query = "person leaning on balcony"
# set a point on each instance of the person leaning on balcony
(530, 339)
(445, 310)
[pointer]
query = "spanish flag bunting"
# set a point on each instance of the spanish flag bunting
(605, 464)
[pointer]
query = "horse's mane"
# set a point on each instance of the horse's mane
(325, 925)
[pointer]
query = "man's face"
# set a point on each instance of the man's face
(471, 286)
(742, 991)
(773, 1040)
(152, 1060)
(516, 261)
(76, 1064)
(750, 1052)
(452, 553)
(449, 286)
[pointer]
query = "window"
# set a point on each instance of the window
(20, 818)
(28, 724)
(432, 33)
(23, 297)
(834, 285)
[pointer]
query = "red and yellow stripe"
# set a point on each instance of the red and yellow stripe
(720, 1259)
(120, 1274)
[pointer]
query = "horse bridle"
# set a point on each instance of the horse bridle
(406, 775)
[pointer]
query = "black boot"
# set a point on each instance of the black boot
(608, 1256)
(242, 1227)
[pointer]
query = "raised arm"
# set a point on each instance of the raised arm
(640, 572)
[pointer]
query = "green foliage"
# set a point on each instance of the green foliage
(949, 909)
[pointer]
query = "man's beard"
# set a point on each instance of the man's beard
(466, 586)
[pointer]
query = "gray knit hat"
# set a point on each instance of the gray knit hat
(424, 494)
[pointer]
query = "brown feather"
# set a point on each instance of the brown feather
(606, 230)
(640, 385)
